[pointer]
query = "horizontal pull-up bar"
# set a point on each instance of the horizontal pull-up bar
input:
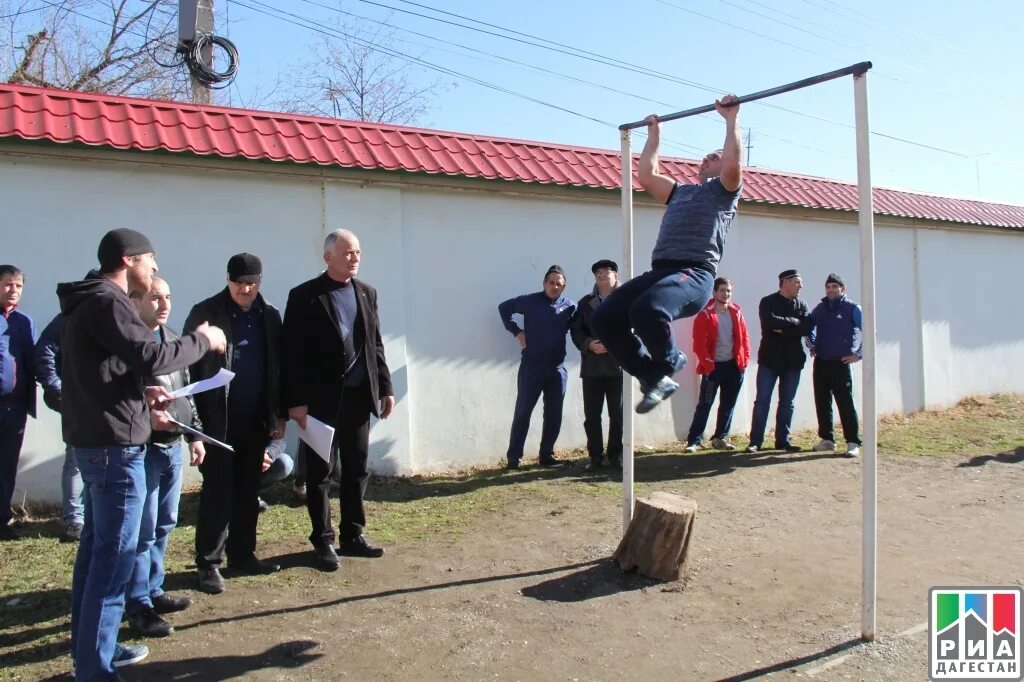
(855, 70)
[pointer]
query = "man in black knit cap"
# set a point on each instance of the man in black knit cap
(106, 352)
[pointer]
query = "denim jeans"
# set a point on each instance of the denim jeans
(533, 381)
(159, 517)
(12, 433)
(788, 383)
(281, 469)
(115, 484)
(727, 377)
(647, 305)
(72, 489)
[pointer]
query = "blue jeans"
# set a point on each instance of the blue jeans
(534, 381)
(727, 377)
(159, 517)
(647, 305)
(12, 433)
(72, 489)
(115, 485)
(788, 383)
(278, 471)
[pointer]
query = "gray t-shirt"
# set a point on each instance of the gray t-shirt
(696, 223)
(723, 346)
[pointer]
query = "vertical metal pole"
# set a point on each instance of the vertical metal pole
(204, 25)
(869, 449)
(626, 274)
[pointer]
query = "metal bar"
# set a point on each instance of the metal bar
(626, 274)
(855, 70)
(869, 449)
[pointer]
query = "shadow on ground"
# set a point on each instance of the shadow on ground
(599, 580)
(284, 656)
(1009, 457)
(793, 662)
(648, 468)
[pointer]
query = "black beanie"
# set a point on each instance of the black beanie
(833, 278)
(556, 269)
(245, 268)
(121, 243)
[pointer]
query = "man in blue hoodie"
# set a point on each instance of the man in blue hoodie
(835, 343)
(17, 386)
(546, 316)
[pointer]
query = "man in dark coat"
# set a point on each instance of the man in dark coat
(335, 371)
(246, 414)
(601, 374)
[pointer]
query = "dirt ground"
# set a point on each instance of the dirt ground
(529, 593)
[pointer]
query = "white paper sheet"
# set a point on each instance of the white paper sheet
(318, 436)
(221, 378)
(201, 436)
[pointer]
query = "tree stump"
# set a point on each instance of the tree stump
(657, 542)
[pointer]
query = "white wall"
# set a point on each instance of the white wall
(442, 258)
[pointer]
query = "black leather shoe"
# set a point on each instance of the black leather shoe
(512, 464)
(326, 558)
(788, 447)
(592, 465)
(550, 462)
(148, 623)
(166, 603)
(358, 546)
(253, 566)
(211, 581)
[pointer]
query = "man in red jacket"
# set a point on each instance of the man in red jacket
(722, 349)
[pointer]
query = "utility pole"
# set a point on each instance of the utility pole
(204, 26)
(749, 147)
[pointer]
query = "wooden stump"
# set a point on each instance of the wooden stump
(657, 542)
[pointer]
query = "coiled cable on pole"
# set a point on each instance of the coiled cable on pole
(204, 73)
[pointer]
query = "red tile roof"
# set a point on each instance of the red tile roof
(127, 123)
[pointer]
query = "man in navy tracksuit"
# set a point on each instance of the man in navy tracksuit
(835, 343)
(546, 316)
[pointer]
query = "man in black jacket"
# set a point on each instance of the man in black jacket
(147, 601)
(246, 414)
(335, 371)
(107, 351)
(780, 357)
(601, 374)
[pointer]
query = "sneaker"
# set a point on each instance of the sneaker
(752, 448)
(691, 448)
(72, 533)
(852, 449)
(656, 395)
(722, 444)
(147, 623)
(825, 446)
(263, 506)
(166, 603)
(300, 491)
(129, 654)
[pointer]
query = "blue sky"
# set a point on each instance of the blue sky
(944, 94)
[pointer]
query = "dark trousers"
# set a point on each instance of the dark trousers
(647, 305)
(534, 381)
(727, 377)
(350, 451)
(788, 381)
(597, 392)
(228, 502)
(12, 434)
(834, 378)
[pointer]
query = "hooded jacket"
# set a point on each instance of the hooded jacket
(106, 351)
